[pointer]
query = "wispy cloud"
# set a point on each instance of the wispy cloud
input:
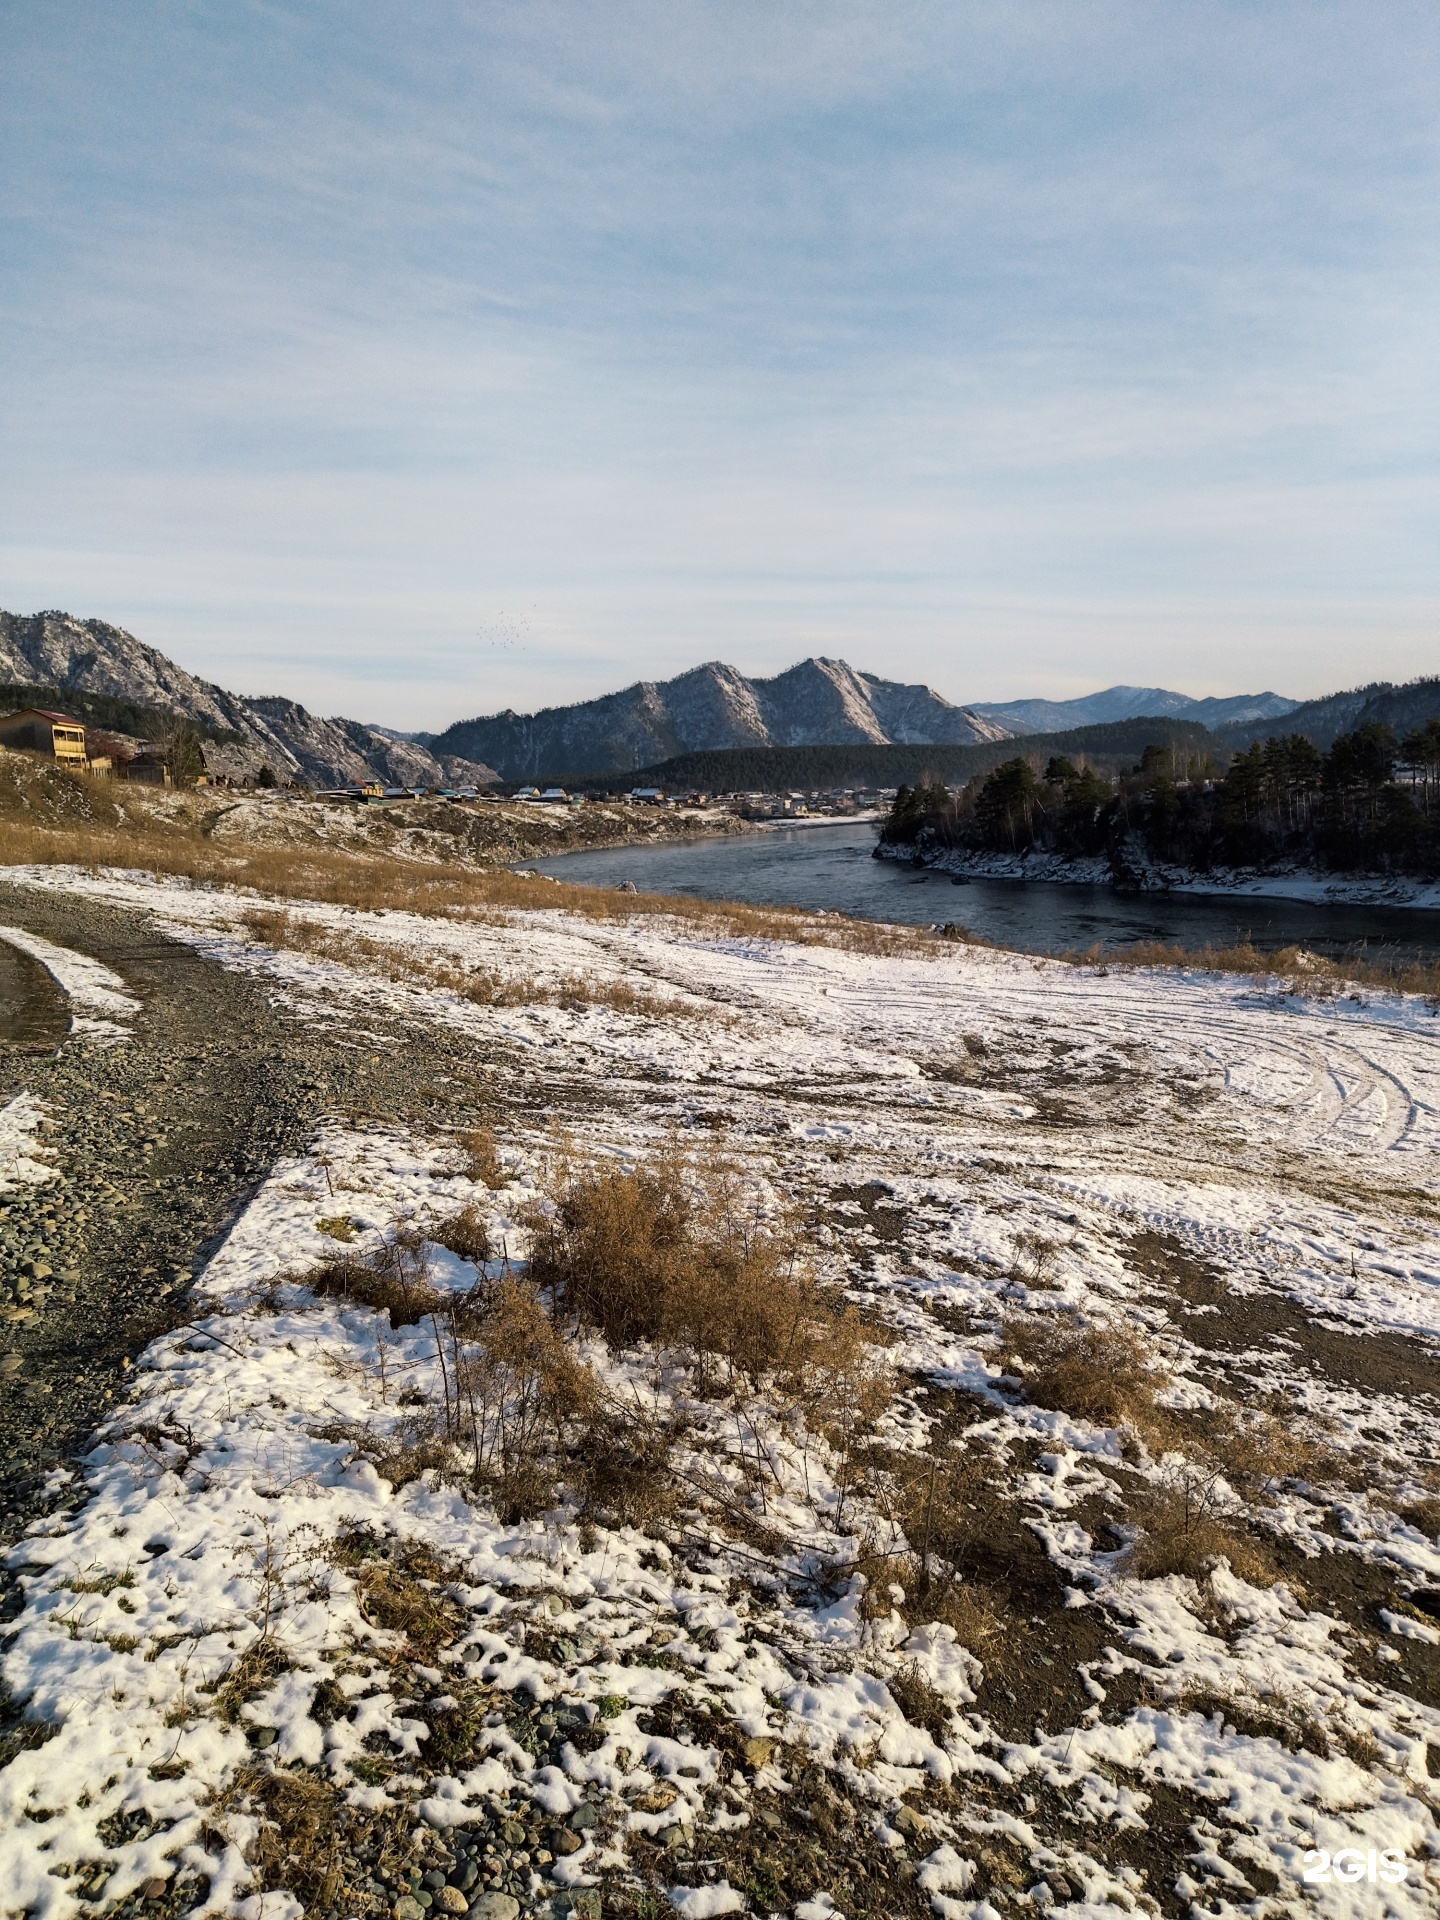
(1017, 347)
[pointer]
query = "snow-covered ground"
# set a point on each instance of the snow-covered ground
(1244, 1178)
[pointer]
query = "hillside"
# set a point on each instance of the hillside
(1126, 703)
(715, 708)
(1402, 708)
(778, 769)
(68, 656)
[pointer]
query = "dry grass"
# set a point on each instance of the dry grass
(672, 1256)
(1298, 970)
(401, 1587)
(261, 1662)
(1099, 1373)
(305, 1838)
(396, 1283)
(378, 883)
(482, 1161)
(466, 1233)
(1423, 1514)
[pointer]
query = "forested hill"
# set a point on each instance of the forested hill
(808, 769)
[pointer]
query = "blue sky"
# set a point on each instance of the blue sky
(417, 360)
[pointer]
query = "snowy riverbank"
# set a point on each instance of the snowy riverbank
(1139, 873)
(743, 1703)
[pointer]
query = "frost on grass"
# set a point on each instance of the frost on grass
(896, 1482)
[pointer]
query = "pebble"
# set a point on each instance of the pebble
(407, 1907)
(489, 1906)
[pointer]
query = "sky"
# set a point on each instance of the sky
(418, 360)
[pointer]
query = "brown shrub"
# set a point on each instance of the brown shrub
(623, 1473)
(514, 1394)
(1099, 1373)
(1184, 1533)
(482, 1157)
(465, 1233)
(664, 1254)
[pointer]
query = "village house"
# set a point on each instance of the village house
(58, 736)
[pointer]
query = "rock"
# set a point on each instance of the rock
(434, 1879)
(583, 1817)
(451, 1900)
(657, 1799)
(155, 1889)
(758, 1752)
(564, 1841)
(407, 1907)
(585, 1903)
(675, 1838)
(495, 1906)
(263, 1737)
(910, 1823)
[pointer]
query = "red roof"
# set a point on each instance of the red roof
(42, 713)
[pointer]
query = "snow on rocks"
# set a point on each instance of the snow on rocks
(23, 1161)
(241, 1594)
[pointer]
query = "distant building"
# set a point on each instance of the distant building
(57, 736)
(556, 794)
(651, 796)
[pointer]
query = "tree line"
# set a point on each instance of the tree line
(1371, 802)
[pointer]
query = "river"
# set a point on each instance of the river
(831, 867)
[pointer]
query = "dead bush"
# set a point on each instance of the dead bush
(413, 1448)
(466, 1233)
(482, 1157)
(623, 1473)
(395, 1281)
(514, 1394)
(1099, 1373)
(667, 1255)
(1185, 1533)
(956, 1512)
(1253, 1449)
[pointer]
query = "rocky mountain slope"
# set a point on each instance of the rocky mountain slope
(1401, 708)
(1125, 703)
(815, 703)
(90, 656)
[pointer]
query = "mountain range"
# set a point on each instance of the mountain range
(817, 702)
(90, 656)
(1129, 703)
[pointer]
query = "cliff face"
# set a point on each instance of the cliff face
(816, 703)
(90, 656)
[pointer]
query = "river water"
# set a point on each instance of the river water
(831, 867)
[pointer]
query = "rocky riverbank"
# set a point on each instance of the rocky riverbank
(1131, 870)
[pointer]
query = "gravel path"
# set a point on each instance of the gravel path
(158, 1142)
